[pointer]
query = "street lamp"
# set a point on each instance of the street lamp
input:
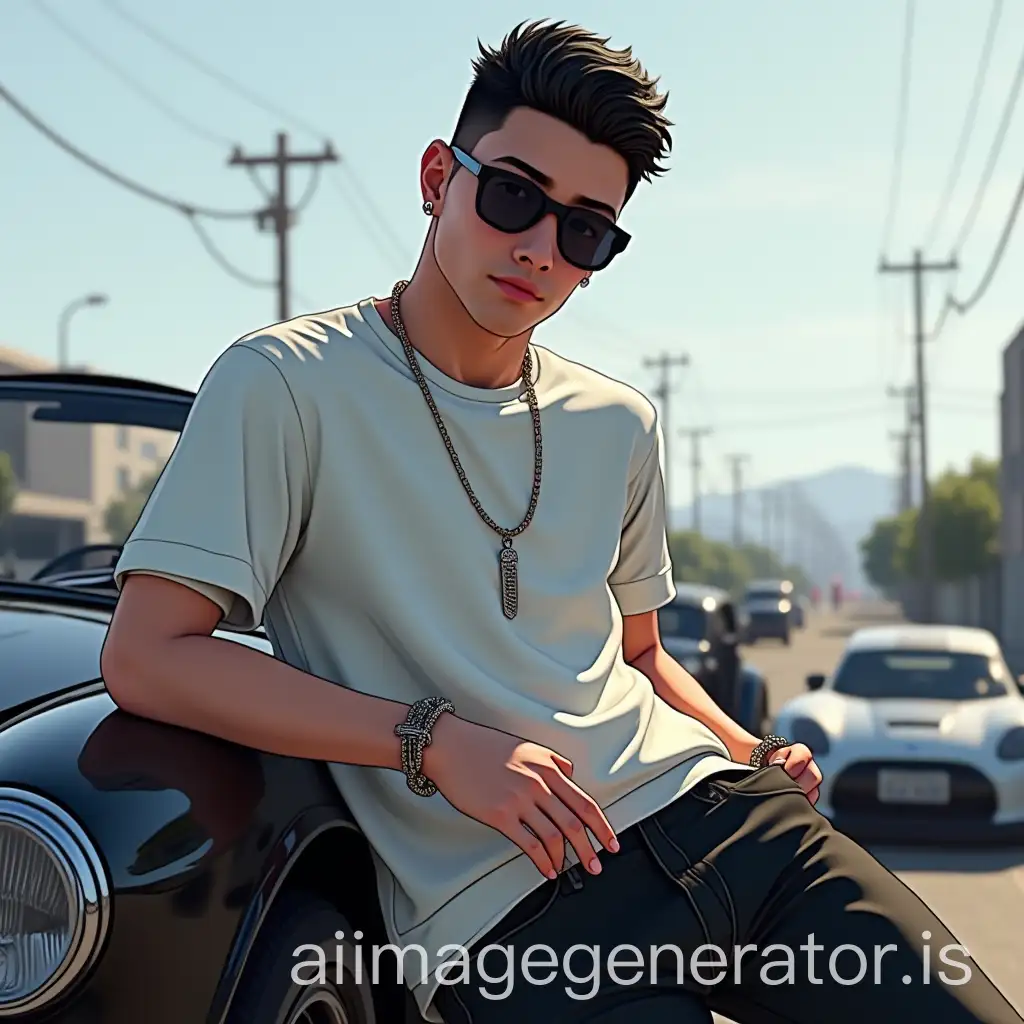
(65, 317)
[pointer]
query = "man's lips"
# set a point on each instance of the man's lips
(517, 288)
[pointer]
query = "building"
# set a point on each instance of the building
(67, 474)
(1011, 487)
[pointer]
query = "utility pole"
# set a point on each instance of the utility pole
(737, 462)
(278, 215)
(663, 392)
(905, 437)
(918, 268)
(695, 435)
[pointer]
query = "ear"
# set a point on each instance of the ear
(435, 170)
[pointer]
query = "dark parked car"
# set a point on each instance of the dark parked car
(768, 606)
(147, 872)
(700, 628)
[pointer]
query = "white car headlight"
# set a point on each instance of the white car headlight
(54, 901)
(808, 732)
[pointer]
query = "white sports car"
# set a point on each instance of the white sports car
(919, 734)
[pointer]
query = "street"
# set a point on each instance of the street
(978, 895)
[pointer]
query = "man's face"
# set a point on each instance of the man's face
(480, 262)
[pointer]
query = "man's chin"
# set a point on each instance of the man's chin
(504, 319)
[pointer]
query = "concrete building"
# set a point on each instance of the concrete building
(67, 474)
(1011, 486)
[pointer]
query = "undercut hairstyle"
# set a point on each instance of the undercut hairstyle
(573, 75)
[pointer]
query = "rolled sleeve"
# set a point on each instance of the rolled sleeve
(227, 513)
(642, 578)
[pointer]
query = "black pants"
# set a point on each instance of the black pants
(743, 860)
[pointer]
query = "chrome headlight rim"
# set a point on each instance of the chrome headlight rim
(85, 880)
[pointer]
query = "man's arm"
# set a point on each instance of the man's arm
(642, 648)
(160, 662)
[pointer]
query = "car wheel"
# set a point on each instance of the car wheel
(268, 994)
(785, 639)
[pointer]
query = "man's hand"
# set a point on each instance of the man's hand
(522, 790)
(798, 761)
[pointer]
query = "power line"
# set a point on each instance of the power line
(189, 209)
(896, 179)
(997, 256)
(993, 157)
(346, 173)
(133, 84)
(967, 128)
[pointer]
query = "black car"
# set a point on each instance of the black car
(700, 629)
(768, 607)
(148, 872)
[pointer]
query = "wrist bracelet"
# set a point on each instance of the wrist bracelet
(760, 754)
(415, 734)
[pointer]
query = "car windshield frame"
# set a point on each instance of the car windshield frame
(83, 400)
(980, 676)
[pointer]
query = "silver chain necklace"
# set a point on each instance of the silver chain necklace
(508, 560)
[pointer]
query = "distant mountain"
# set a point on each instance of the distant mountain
(816, 521)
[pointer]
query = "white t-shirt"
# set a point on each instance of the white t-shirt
(311, 490)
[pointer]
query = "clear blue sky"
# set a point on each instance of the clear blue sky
(756, 254)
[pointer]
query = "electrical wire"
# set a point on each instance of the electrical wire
(131, 82)
(967, 304)
(967, 128)
(218, 76)
(993, 157)
(342, 171)
(189, 209)
(896, 179)
(237, 274)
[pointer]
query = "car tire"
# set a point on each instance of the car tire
(785, 639)
(267, 993)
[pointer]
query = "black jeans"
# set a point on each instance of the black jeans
(742, 860)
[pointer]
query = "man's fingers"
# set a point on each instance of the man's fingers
(572, 828)
(548, 832)
(588, 812)
(532, 847)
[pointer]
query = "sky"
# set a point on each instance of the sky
(756, 255)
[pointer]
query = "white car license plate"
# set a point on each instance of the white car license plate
(908, 787)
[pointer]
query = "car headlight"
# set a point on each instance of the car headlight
(784, 606)
(1011, 746)
(808, 732)
(54, 901)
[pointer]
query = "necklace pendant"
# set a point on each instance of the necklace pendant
(509, 570)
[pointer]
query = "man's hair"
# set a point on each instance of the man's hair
(570, 74)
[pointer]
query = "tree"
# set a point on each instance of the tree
(121, 515)
(696, 559)
(8, 485)
(966, 518)
(884, 551)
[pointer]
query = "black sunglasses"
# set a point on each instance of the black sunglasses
(512, 203)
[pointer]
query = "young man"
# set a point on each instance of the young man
(452, 533)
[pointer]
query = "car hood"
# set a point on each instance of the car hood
(969, 721)
(44, 650)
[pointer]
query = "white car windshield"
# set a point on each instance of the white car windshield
(925, 675)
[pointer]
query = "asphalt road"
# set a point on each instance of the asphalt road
(979, 895)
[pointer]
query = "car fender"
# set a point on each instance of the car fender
(197, 837)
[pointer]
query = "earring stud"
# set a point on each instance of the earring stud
(585, 282)
(428, 207)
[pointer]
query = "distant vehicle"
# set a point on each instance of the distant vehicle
(767, 606)
(919, 733)
(700, 628)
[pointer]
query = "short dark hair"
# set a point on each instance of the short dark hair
(573, 75)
